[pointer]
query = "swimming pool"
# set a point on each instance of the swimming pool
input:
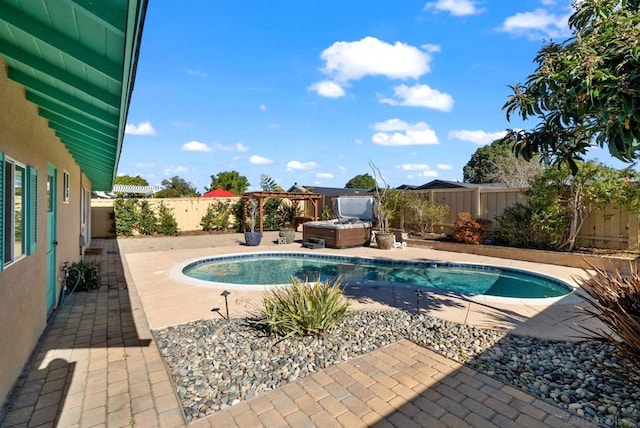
(278, 268)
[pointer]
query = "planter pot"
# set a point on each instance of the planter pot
(288, 234)
(384, 241)
(252, 238)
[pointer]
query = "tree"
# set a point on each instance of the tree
(585, 91)
(362, 181)
(496, 163)
(229, 180)
(560, 201)
(268, 184)
(128, 180)
(177, 187)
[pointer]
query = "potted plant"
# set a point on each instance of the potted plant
(252, 237)
(382, 211)
(287, 216)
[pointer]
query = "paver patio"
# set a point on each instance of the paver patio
(97, 363)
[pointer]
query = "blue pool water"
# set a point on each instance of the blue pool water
(278, 268)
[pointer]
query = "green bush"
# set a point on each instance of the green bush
(303, 308)
(125, 216)
(469, 230)
(216, 217)
(426, 214)
(83, 276)
(527, 227)
(147, 223)
(167, 224)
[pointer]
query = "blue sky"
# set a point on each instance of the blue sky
(311, 91)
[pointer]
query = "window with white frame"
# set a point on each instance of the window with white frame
(65, 195)
(18, 210)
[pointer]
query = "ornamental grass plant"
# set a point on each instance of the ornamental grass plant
(614, 299)
(303, 308)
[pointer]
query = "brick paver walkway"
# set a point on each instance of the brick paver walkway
(97, 366)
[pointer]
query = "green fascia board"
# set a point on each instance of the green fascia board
(91, 112)
(135, 21)
(64, 44)
(57, 119)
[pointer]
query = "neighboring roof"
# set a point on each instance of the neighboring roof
(444, 184)
(77, 60)
(327, 190)
(407, 187)
(127, 188)
(218, 193)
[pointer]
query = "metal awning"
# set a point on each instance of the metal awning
(77, 61)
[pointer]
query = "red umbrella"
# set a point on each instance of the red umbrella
(218, 193)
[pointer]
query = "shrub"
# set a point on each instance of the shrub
(303, 308)
(527, 227)
(216, 217)
(147, 222)
(167, 224)
(426, 214)
(469, 230)
(615, 300)
(83, 276)
(124, 216)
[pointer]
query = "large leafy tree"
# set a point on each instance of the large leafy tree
(362, 181)
(129, 180)
(229, 180)
(176, 187)
(496, 163)
(585, 91)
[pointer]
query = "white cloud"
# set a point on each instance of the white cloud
(538, 24)
(238, 147)
(444, 166)
(430, 173)
(263, 107)
(144, 165)
(195, 146)
(420, 96)
(414, 167)
(454, 7)
(346, 61)
(259, 160)
(196, 73)
(170, 171)
(324, 175)
(144, 128)
(301, 166)
(358, 141)
(327, 89)
(396, 132)
(477, 136)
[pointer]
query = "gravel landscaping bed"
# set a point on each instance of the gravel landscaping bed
(217, 363)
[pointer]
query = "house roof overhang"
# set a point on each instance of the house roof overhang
(77, 61)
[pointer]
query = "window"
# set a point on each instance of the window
(18, 206)
(65, 195)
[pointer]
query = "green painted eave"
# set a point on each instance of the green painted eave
(77, 61)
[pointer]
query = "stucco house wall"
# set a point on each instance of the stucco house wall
(27, 138)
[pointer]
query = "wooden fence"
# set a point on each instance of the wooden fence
(612, 227)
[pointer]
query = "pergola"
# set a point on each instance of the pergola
(294, 197)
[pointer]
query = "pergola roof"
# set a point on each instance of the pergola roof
(262, 196)
(77, 61)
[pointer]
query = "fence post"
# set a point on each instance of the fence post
(633, 241)
(476, 203)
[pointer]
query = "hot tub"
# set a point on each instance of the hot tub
(338, 233)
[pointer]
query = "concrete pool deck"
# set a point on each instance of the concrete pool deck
(98, 365)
